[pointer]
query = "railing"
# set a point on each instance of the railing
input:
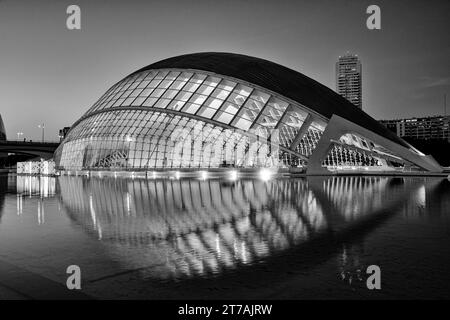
(30, 141)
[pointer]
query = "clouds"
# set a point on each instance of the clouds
(434, 81)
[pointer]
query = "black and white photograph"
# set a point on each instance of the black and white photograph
(224, 156)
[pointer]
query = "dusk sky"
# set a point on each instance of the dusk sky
(52, 75)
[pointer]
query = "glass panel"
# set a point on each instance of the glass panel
(278, 104)
(157, 93)
(213, 103)
(173, 75)
(161, 74)
(146, 92)
(206, 112)
(237, 98)
(149, 102)
(242, 90)
(319, 125)
(294, 117)
(243, 124)
(165, 84)
(224, 117)
(138, 101)
(128, 101)
(169, 94)
(176, 105)
(204, 89)
(191, 108)
(178, 84)
(154, 83)
(191, 87)
(185, 76)
(211, 81)
(260, 96)
(272, 113)
(220, 94)
(227, 85)
(198, 98)
(135, 92)
(162, 103)
(230, 108)
(198, 78)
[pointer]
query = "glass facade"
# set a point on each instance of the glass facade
(188, 119)
(182, 118)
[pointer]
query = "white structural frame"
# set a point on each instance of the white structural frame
(338, 126)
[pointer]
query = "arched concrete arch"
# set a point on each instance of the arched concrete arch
(338, 126)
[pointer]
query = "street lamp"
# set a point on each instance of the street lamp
(19, 134)
(42, 126)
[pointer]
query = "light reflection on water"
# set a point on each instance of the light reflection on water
(204, 228)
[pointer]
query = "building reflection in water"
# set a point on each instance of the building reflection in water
(203, 227)
(41, 186)
(31, 187)
(3, 189)
(405, 196)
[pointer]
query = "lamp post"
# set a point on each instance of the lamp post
(19, 134)
(42, 126)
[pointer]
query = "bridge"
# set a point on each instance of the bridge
(39, 149)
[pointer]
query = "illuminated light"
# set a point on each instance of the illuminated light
(99, 174)
(132, 175)
(177, 174)
(128, 202)
(265, 174)
(203, 175)
(100, 234)
(365, 168)
(92, 211)
(421, 196)
(115, 174)
(129, 139)
(233, 175)
(154, 174)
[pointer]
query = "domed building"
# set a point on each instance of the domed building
(213, 110)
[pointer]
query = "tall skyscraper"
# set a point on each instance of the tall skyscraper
(349, 78)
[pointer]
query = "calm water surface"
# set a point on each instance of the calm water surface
(278, 239)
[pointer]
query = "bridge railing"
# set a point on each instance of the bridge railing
(31, 141)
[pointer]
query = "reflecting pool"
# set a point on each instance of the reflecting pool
(190, 238)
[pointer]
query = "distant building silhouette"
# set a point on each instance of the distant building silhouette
(436, 127)
(349, 78)
(2, 138)
(63, 132)
(429, 134)
(2, 129)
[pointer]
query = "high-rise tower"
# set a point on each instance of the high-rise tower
(349, 78)
(2, 129)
